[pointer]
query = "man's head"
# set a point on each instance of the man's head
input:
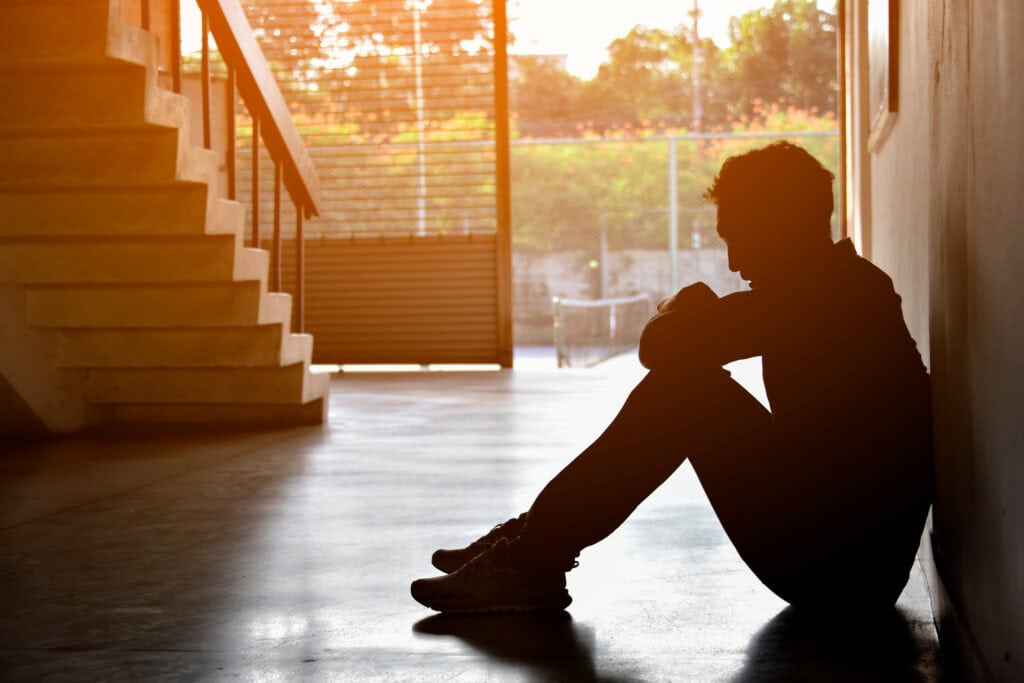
(774, 210)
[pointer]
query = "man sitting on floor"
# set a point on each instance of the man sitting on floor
(825, 496)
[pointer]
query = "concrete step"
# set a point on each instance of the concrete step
(277, 307)
(318, 384)
(71, 32)
(99, 211)
(39, 31)
(111, 93)
(91, 155)
(115, 243)
(286, 384)
(250, 346)
(213, 304)
(251, 264)
(202, 258)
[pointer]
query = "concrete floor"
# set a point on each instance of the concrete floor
(288, 555)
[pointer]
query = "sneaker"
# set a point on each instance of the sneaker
(490, 582)
(450, 560)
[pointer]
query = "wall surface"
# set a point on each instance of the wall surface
(946, 214)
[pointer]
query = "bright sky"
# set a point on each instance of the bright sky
(582, 29)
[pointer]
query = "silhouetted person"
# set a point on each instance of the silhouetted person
(825, 496)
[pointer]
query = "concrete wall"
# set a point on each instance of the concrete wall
(35, 395)
(944, 194)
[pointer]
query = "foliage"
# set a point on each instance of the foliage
(646, 82)
(646, 77)
(544, 98)
(786, 54)
(355, 60)
(564, 194)
(355, 88)
(284, 29)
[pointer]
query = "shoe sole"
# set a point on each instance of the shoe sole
(515, 608)
(505, 609)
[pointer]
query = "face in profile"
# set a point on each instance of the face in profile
(774, 206)
(763, 247)
(752, 243)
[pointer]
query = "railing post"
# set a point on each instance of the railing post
(145, 15)
(176, 46)
(205, 78)
(559, 332)
(255, 181)
(229, 152)
(275, 256)
(673, 216)
(254, 82)
(502, 180)
(300, 271)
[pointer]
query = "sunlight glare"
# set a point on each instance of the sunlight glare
(540, 26)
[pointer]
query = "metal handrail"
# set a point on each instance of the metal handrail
(251, 77)
(263, 97)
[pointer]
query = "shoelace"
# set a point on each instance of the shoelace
(495, 557)
(499, 530)
(486, 562)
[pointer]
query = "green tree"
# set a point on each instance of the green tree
(643, 79)
(648, 77)
(543, 96)
(785, 53)
(356, 58)
(647, 81)
(289, 33)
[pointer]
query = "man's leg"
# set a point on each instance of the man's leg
(772, 499)
(667, 418)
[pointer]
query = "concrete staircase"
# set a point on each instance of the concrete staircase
(126, 292)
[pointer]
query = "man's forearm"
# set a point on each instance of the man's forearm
(693, 330)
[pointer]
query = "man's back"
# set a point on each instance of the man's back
(836, 350)
(847, 479)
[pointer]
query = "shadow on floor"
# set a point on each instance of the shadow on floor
(800, 647)
(544, 646)
(791, 647)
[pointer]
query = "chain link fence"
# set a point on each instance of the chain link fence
(606, 218)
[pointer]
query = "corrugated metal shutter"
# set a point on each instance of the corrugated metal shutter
(402, 105)
(401, 300)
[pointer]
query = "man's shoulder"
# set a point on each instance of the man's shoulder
(853, 266)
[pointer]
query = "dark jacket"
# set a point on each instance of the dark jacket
(850, 399)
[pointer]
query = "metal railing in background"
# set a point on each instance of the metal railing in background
(249, 75)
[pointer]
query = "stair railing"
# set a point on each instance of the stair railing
(249, 75)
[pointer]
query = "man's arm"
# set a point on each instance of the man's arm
(696, 328)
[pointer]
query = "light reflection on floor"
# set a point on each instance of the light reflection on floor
(287, 555)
